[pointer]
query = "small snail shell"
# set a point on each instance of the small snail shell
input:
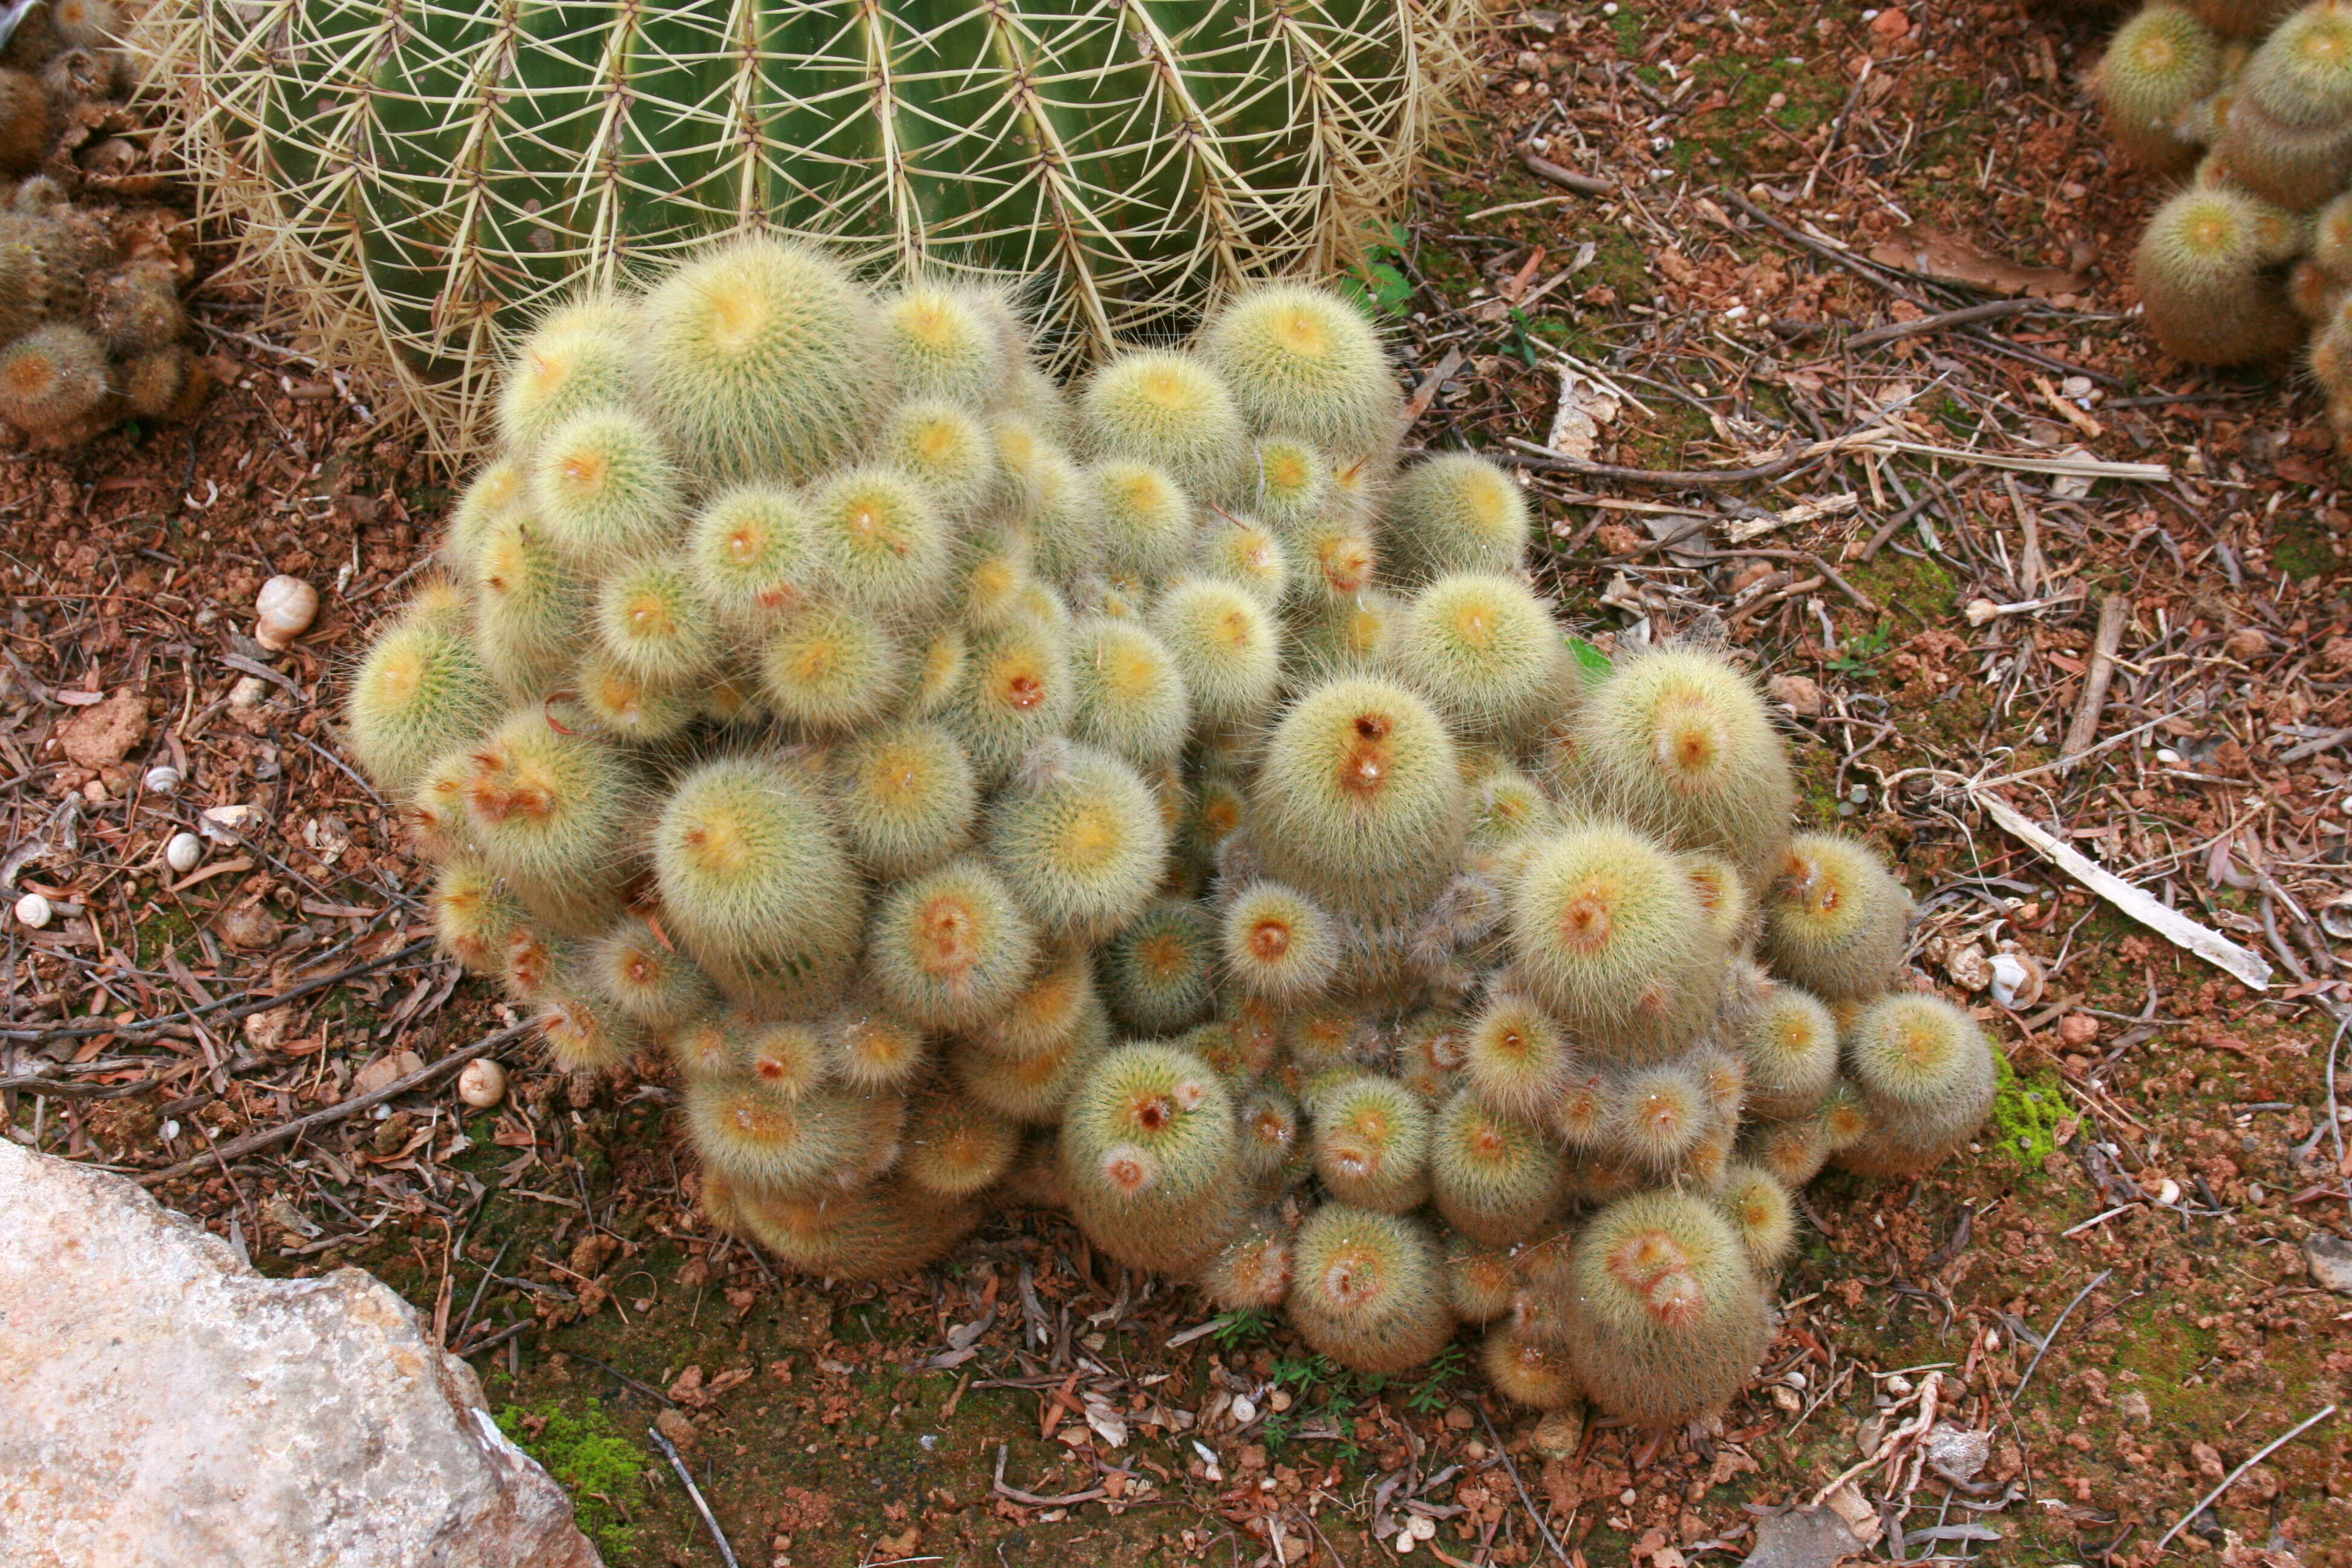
(161, 779)
(33, 910)
(482, 1083)
(184, 851)
(283, 611)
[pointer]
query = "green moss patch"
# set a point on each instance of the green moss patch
(588, 1454)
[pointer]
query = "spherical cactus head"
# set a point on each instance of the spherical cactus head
(1059, 1003)
(86, 24)
(762, 359)
(610, 700)
(1031, 1090)
(1527, 1371)
(907, 798)
(949, 341)
(828, 669)
(956, 1150)
(1928, 1075)
(946, 448)
(530, 606)
(53, 380)
(1148, 1157)
(1170, 410)
(1611, 936)
(2205, 271)
(1494, 1177)
(2159, 62)
(1678, 744)
(1240, 549)
(1843, 1115)
(1790, 1044)
(1156, 972)
(1016, 690)
(754, 880)
(1794, 1151)
(1279, 944)
(1371, 1143)
(605, 490)
(1480, 1281)
(872, 1051)
(580, 356)
(788, 1055)
(704, 1045)
(638, 970)
(1302, 362)
(879, 540)
(1356, 635)
(1077, 836)
(1147, 521)
(1835, 919)
(765, 1140)
(474, 917)
(1131, 699)
(1658, 1115)
(2301, 76)
(1481, 648)
(1226, 644)
(419, 691)
(1287, 484)
(1367, 1289)
(1666, 1318)
(1762, 1214)
(1272, 1134)
(587, 1034)
(549, 812)
(1515, 1057)
(1456, 512)
(748, 550)
(501, 486)
(654, 623)
(1252, 1270)
(435, 812)
(137, 311)
(1432, 1045)
(1359, 801)
(952, 948)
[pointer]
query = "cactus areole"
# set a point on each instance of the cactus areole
(426, 179)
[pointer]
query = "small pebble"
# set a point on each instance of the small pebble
(33, 910)
(184, 851)
(482, 1084)
(94, 792)
(161, 779)
(283, 611)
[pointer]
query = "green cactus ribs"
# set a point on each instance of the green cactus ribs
(433, 175)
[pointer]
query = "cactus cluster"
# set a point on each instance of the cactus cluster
(91, 327)
(2251, 103)
(1160, 802)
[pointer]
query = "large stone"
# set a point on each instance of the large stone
(163, 1406)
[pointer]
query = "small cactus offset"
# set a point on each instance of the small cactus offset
(960, 792)
(1132, 162)
(91, 325)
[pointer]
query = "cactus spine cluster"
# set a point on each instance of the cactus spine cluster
(988, 809)
(91, 327)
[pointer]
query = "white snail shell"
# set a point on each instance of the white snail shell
(162, 779)
(283, 611)
(482, 1083)
(184, 851)
(33, 910)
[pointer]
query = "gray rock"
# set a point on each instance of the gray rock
(2330, 1257)
(162, 1406)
